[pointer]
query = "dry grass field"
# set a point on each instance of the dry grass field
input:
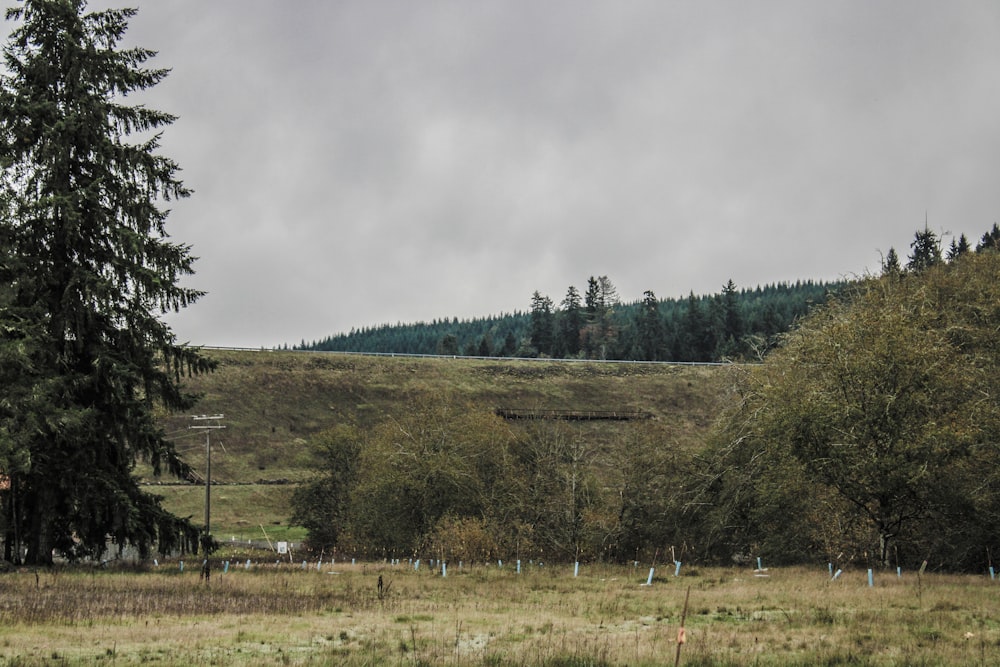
(484, 615)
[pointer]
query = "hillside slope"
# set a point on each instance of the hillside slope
(274, 401)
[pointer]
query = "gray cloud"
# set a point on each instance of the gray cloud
(362, 162)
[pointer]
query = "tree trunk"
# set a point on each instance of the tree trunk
(40, 536)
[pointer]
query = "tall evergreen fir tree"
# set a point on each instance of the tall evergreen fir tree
(570, 322)
(649, 326)
(696, 340)
(732, 322)
(485, 348)
(990, 240)
(958, 247)
(599, 333)
(890, 263)
(926, 251)
(509, 345)
(542, 323)
(592, 299)
(86, 274)
(448, 345)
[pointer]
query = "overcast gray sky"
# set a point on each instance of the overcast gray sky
(358, 162)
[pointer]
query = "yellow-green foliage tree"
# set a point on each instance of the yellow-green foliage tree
(431, 462)
(449, 480)
(322, 504)
(873, 429)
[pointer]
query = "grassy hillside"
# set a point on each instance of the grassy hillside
(274, 401)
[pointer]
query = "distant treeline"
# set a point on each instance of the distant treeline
(733, 324)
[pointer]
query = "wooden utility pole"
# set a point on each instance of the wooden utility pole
(208, 428)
